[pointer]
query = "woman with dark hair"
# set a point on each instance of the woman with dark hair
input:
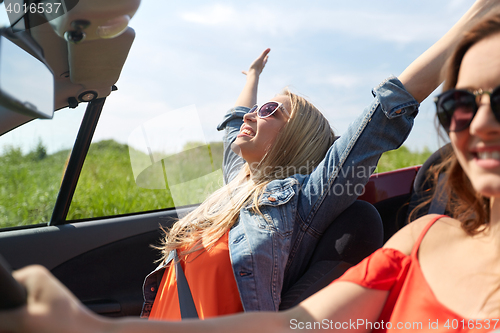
(438, 273)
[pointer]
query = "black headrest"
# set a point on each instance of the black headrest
(434, 159)
(423, 186)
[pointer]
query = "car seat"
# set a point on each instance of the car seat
(351, 237)
(424, 187)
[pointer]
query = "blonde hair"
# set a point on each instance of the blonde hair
(299, 147)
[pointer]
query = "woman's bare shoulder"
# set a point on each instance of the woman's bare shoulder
(406, 237)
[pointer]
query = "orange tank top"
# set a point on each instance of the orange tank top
(411, 301)
(211, 280)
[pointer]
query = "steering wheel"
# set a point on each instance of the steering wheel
(12, 294)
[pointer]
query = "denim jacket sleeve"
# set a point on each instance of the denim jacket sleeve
(231, 162)
(340, 178)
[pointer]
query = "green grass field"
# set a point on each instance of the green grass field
(29, 183)
(401, 158)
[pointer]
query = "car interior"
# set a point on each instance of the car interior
(104, 260)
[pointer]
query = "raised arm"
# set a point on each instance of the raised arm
(425, 73)
(248, 96)
(232, 163)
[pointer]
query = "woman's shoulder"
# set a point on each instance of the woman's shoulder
(404, 240)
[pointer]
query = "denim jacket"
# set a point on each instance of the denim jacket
(270, 254)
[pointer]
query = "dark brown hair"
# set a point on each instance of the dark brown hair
(464, 204)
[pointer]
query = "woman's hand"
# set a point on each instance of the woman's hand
(50, 307)
(248, 96)
(258, 64)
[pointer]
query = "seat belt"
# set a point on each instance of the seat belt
(186, 303)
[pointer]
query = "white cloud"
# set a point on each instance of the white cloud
(197, 57)
(457, 4)
(344, 80)
(214, 15)
(275, 20)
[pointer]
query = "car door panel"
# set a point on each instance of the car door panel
(103, 262)
(108, 279)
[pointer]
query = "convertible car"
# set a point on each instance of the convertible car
(102, 254)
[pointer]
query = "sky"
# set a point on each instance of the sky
(189, 56)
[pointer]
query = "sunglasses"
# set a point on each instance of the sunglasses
(456, 107)
(267, 109)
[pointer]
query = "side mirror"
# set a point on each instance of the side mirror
(26, 83)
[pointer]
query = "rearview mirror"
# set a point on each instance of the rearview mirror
(26, 83)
